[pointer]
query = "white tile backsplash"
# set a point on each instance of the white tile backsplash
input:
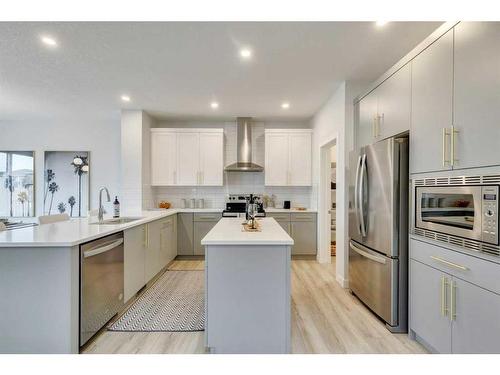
(234, 182)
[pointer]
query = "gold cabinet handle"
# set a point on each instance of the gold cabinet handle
(453, 300)
(441, 260)
(444, 288)
(453, 159)
(445, 148)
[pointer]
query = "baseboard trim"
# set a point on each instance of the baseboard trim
(344, 283)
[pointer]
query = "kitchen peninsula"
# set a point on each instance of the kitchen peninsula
(40, 274)
(247, 288)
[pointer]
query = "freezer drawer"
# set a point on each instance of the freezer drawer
(373, 279)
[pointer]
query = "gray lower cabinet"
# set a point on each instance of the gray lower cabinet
(153, 247)
(203, 223)
(301, 227)
(168, 240)
(134, 260)
(450, 308)
(427, 303)
(148, 249)
(185, 238)
(476, 327)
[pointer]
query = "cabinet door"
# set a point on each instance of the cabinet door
(299, 159)
(304, 237)
(201, 228)
(185, 234)
(429, 306)
(476, 94)
(134, 260)
(166, 243)
(211, 159)
(153, 245)
(285, 225)
(163, 158)
(367, 118)
(394, 99)
(431, 111)
(276, 159)
(188, 159)
(476, 327)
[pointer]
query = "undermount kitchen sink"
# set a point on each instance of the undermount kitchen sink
(118, 220)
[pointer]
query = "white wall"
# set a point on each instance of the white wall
(99, 136)
(136, 190)
(335, 119)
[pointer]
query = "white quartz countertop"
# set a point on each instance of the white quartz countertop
(294, 210)
(229, 231)
(79, 230)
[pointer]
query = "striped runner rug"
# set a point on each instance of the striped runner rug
(174, 303)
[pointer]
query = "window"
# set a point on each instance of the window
(16, 183)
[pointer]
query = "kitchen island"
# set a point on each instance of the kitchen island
(247, 288)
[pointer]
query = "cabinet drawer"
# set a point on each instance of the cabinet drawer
(469, 268)
(209, 216)
(279, 216)
(303, 217)
(167, 222)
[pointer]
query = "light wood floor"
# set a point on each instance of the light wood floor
(325, 319)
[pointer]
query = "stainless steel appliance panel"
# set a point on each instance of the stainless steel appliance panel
(101, 283)
(373, 279)
(465, 211)
(374, 212)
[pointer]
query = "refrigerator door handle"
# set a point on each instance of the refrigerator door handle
(365, 254)
(356, 195)
(361, 194)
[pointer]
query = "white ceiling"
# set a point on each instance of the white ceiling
(177, 69)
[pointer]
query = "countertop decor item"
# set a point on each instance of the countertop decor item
(164, 204)
(252, 226)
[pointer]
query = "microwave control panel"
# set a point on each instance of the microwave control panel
(489, 227)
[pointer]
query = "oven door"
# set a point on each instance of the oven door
(453, 210)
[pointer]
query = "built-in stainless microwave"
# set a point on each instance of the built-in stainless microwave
(467, 211)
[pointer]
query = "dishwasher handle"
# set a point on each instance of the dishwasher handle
(102, 249)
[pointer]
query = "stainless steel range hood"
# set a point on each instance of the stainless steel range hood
(244, 148)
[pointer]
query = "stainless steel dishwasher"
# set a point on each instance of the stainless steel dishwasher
(101, 283)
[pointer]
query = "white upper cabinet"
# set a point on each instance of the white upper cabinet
(211, 159)
(276, 163)
(187, 157)
(385, 111)
(476, 94)
(164, 158)
(288, 157)
(431, 106)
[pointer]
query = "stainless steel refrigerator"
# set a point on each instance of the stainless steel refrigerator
(378, 230)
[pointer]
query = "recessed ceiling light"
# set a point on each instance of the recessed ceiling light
(246, 53)
(125, 98)
(214, 105)
(381, 23)
(285, 105)
(49, 41)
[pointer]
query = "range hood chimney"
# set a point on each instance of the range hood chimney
(244, 148)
